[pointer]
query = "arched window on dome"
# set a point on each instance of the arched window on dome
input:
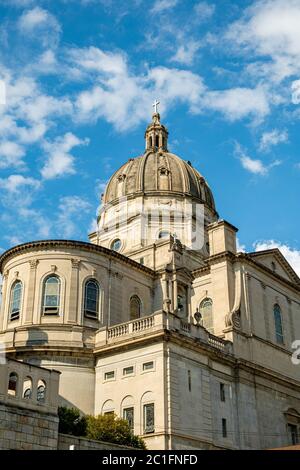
(91, 299)
(278, 324)
(207, 316)
(51, 295)
(15, 301)
(135, 307)
(156, 141)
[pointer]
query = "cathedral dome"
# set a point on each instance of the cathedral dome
(158, 171)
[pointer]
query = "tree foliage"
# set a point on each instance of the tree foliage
(107, 428)
(110, 428)
(71, 422)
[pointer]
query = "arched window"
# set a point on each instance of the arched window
(41, 391)
(278, 324)
(156, 141)
(27, 388)
(206, 312)
(51, 295)
(135, 307)
(12, 384)
(91, 299)
(15, 301)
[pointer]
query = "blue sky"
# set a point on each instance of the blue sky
(77, 80)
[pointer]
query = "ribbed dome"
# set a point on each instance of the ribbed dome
(158, 171)
(161, 172)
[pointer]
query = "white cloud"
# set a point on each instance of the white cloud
(185, 53)
(204, 10)
(35, 18)
(71, 209)
(237, 103)
(60, 161)
(11, 154)
(252, 165)
(2, 92)
(291, 254)
(296, 92)
(270, 28)
(163, 5)
(272, 138)
(240, 247)
(14, 183)
(40, 24)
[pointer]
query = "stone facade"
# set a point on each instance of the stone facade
(28, 423)
(193, 346)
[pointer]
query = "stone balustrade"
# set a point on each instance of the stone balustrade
(159, 321)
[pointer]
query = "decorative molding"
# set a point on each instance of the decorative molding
(53, 268)
(75, 263)
(33, 263)
(5, 274)
(16, 274)
(84, 246)
(121, 178)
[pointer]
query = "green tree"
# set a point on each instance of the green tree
(110, 428)
(71, 422)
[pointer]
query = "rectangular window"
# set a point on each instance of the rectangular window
(189, 381)
(224, 427)
(148, 365)
(128, 415)
(222, 392)
(128, 370)
(109, 375)
(293, 434)
(148, 418)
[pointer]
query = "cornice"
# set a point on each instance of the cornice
(85, 246)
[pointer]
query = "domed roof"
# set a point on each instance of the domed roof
(158, 171)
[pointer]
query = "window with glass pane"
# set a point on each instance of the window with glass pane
(128, 415)
(278, 324)
(41, 391)
(206, 312)
(51, 295)
(116, 245)
(15, 301)
(12, 384)
(148, 418)
(135, 307)
(148, 365)
(128, 370)
(91, 300)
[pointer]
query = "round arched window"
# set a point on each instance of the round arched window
(116, 245)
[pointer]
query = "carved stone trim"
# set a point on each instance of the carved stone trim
(75, 263)
(33, 263)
